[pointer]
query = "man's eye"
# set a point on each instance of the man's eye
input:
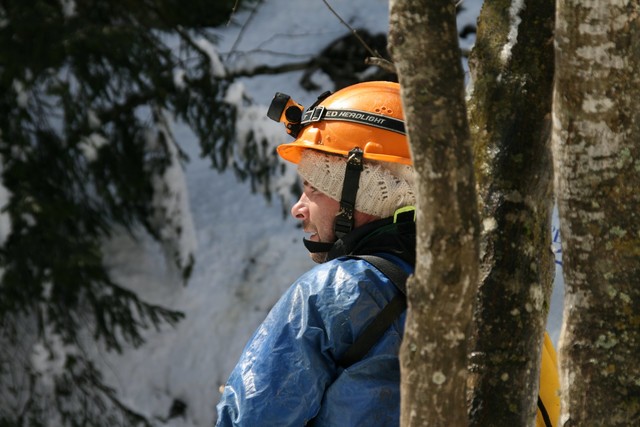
(309, 188)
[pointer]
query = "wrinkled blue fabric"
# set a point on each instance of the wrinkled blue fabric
(288, 373)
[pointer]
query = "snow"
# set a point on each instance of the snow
(212, 54)
(246, 258)
(22, 94)
(49, 356)
(246, 251)
(91, 144)
(178, 77)
(68, 8)
(514, 22)
(5, 219)
(172, 213)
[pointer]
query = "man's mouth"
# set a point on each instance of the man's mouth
(313, 236)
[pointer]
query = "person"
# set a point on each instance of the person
(357, 206)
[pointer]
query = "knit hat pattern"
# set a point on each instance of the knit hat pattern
(384, 187)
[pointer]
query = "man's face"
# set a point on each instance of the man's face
(317, 211)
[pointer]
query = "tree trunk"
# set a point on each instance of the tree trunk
(597, 166)
(433, 357)
(509, 110)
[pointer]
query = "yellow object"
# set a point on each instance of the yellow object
(366, 115)
(549, 396)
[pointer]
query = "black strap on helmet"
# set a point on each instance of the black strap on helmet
(345, 217)
(318, 113)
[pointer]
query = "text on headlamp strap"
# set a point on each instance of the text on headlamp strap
(355, 116)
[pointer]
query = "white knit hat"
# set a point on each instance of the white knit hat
(384, 187)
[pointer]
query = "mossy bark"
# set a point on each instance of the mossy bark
(433, 358)
(509, 114)
(597, 166)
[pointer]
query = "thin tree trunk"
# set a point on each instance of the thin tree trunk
(597, 165)
(433, 357)
(510, 106)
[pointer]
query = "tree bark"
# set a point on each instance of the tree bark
(509, 111)
(433, 357)
(597, 166)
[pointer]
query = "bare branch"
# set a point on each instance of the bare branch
(266, 69)
(382, 63)
(272, 53)
(353, 31)
(233, 12)
(244, 27)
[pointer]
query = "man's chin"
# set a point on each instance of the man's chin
(318, 257)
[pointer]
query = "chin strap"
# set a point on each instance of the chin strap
(344, 245)
(316, 247)
(345, 216)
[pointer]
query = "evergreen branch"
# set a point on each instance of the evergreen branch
(24, 413)
(111, 395)
(123, 310)
(82, 375)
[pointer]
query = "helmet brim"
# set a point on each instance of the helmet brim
(292, 152)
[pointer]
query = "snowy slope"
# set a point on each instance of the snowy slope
(246, 257)
(247, 253)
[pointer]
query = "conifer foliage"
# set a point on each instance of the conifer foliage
(88, 92)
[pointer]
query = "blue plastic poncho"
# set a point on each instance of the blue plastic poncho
(288, 373)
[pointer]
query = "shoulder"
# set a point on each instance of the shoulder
(344, 282)
(342, 273)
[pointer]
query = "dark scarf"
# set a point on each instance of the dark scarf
(381, 236)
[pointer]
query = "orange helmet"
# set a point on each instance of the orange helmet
(363, 121)
(366, 115)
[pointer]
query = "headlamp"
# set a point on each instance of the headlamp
(286, 110)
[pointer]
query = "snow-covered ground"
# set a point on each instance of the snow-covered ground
(247, 252)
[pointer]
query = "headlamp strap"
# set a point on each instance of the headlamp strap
(345, 217)
(315, 114)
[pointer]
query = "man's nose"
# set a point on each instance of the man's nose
(300, 210)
